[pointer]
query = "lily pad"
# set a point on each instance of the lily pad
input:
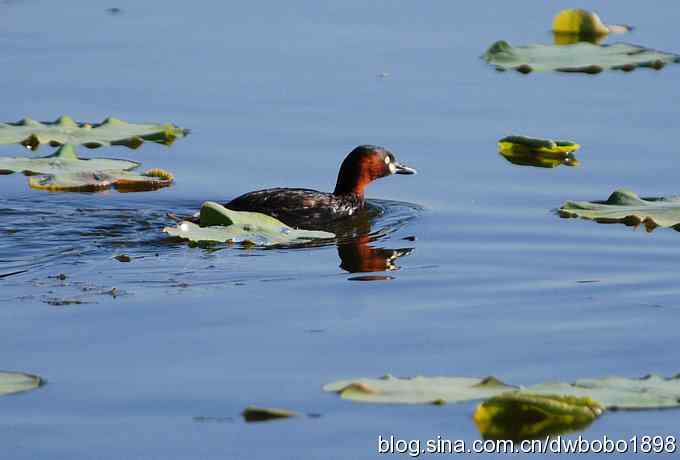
(542, 153)
(523, 415)
(580, 57)
(619, 393)
(418, 390)
(64, 171)
(65, 130)
(18, 382)
(579, 23)
(263, 414)
(625, 207)
(220, 224)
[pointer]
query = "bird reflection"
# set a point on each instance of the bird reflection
(355, 243)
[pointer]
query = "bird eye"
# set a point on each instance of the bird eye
(387, 160)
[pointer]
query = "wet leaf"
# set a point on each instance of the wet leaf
(579, 57)
(65, 130)
(18, 382)
(418, 390)
(625, 207)
(619, 393)
(521, 415)
(263, 414)
(219, 224)
(64, 171)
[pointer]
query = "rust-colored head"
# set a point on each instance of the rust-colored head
(363, 165)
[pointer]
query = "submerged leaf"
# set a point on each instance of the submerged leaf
(619, 393)
(542, 153)
(263, 414)
(521, 415)
(17, 382)
(418, 390)
(65, 130)
(63, 171)
(219, 224)
(579, 57)
(625, 207)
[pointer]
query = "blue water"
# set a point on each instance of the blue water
(276, 93)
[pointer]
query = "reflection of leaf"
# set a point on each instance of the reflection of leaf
(65, 130)
(543, 153)
(263, 414)
(17, 382)
(63, 171)
(522, 415)
(220, 224)
(417, 390)
(625, 207)
(579, 57)
(618, 393)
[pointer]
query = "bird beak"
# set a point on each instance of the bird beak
(402, 169)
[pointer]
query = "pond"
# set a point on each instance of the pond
(472, 271)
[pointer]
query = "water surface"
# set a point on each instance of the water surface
(276, 93)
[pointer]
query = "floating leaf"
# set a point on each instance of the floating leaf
(542, 153)
(574, 25)
(521, 415)
(579, 57)
(219, 224)
(619, 393)
(64, 160)
(418, 390)
(65, 130)
(625, 207)
(17, 382)
(263, 414)
(63, 171)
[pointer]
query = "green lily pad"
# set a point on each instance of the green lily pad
(18, 382)
(580, 57)
(619, 393)
(64, 160)
(222, 225)
(582, 24)
(418, 390)
(625, 207)
(521, 415)
(264, 414)
(542, 153)
(65, 130)
(651, 392)
(64, 171)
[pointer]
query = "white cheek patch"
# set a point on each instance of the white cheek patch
(393, 169)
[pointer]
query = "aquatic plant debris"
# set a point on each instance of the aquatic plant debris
(263, 414)
(580, 57)
(582, 23)
(614, 393)
(18, 382)
(64, 171)
(65, 130)
(222, 225)
(418, 390)
(521, 415)
(542, 153)
(625, 207)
